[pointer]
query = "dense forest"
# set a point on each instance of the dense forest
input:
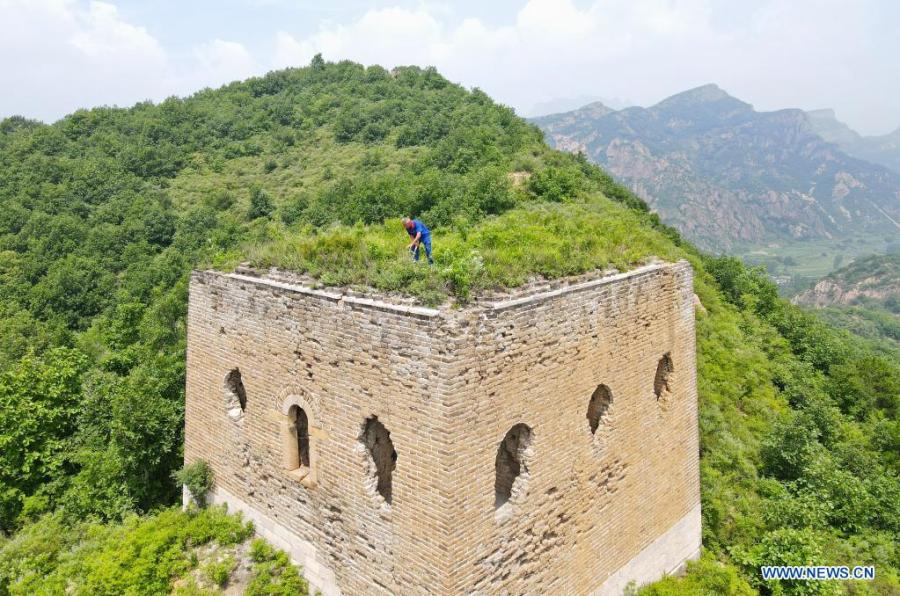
(104, 213)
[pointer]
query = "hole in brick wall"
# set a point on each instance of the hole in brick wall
(663, 371)
(383, 457)
(300, 430)
(597, 407)
(235, 395)
(510, 464)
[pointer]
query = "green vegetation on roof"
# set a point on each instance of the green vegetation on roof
(535, 241)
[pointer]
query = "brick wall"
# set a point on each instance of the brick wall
(592, 501)
(448, 385)
(344, 363)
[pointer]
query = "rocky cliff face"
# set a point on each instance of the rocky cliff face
(876, 278)
(723, 173)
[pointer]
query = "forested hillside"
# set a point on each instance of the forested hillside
(104, 213)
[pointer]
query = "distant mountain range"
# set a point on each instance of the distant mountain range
(725, 174)
(883, 149)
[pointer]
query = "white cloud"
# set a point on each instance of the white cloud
(60, 55)
(554, 20)
(390, 36)
(102, 34)
(290, 52)
(222, 61)
(551, 47)
(807, 53)
(57, 55)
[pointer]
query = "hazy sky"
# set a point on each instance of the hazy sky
(59, 55)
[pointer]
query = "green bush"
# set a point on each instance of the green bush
(555, 184)
(199, 479)
(273, 573)
(294, 209)
(37, 398)
(704, 577)
(261, 551)
(787, 547)
(141, 556)
(260, 204)
(218, 572)
(792, 447)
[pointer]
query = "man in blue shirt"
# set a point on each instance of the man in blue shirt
(420, 235)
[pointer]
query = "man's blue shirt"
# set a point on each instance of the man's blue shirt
(419, 227)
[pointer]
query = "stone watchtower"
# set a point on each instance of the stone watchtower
(545, 443)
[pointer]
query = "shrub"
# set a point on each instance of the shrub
(786, 547)
(260, 551)
(791, 448)
(555, 184)
(218, 572)
(704, 576)
(293, 210)
(214, 523)
(199, 479)
(140, 556)
(348, 123)
(273, 573)
(260, 203)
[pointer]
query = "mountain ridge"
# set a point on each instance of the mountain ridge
(879, 149)
(768, 176)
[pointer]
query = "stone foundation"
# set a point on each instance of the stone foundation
(667, 555)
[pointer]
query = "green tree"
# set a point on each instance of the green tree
(260, 203)
(39, 398)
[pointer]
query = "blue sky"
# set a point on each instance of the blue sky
(59, 55)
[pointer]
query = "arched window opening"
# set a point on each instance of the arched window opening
(235, 395)
(298, 436)
(382, 456)
(511, 466)
(663, 372)
(598, 406)
(300, 431)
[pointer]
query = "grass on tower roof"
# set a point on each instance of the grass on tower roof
(534, 241)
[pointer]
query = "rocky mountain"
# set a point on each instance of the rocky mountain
(725, 174)
(880, 149)
(870, 280)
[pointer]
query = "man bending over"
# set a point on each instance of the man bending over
(421, 236)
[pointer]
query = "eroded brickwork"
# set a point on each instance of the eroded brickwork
(586, 509)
